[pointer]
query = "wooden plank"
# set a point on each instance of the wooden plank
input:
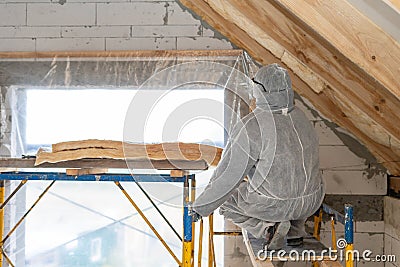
(252, 252)
(330, 264)
(178, 173)
(354, 35)
(394, 184)
(395, 4)
(343, 76)
(311, 249)
(229, 233)
(90, 143)
(86, 171)
(106, 163)
(8, 170)
(75, 150)
(124, 54)
(317, 83)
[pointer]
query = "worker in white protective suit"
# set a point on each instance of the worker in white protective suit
(284, 185)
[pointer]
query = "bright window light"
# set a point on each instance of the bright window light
(65, 115)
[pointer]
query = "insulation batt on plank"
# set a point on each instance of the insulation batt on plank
(92, 149)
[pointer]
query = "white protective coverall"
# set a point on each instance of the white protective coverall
(280, 159)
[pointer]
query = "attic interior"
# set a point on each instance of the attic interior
(151, 72)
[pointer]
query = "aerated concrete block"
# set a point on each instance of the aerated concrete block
(140, 43)
(68, 14)
(12, 14)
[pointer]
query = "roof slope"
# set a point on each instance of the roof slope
(341, 61)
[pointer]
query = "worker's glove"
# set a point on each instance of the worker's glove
(195, 216)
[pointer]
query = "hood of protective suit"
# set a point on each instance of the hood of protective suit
(273, 89)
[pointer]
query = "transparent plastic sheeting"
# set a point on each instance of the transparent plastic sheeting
(61, 98)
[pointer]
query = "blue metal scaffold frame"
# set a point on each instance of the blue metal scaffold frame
(189, 188)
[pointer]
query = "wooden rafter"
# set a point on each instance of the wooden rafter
(355, 71)
(14, 164)
(122, 54)
(395, 4)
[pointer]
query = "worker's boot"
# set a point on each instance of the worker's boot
(296, 233)
(276, 236)
(295, 241)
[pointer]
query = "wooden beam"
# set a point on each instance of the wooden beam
(92, 148)
(330, 264)
(341, 74)
(106, 163)
(394, 184)
(178, 173)
(89, 143)
(394, 4)
(86, 171)
(123, 54)
(353, 35)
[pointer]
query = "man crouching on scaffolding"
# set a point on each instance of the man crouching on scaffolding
(284, 185)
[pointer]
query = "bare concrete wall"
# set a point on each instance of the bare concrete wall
(392, 229)
(42, 25)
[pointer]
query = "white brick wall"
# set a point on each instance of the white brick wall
(185, 43)
(56, 14)
(44, 25)
(178, 16)
(343, 171)
(141, 43)
(18, 44)
(166, 30)
(354, 182)
(12, 14)
(70, 44)
(96, 31)
(29, 32)
(137, 13)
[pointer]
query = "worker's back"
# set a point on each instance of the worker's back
(295, 168)
(292, 185)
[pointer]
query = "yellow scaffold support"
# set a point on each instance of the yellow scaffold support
(2, 194)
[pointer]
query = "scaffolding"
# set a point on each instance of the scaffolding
(40, 174)
(21, 173)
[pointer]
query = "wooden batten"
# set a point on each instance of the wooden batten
(123, 54)
(330, 264)
(108, 149)
(353, 34)
(178, 173)
(395, 4)
(18, 164)
(394, 184)
(86, 171)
